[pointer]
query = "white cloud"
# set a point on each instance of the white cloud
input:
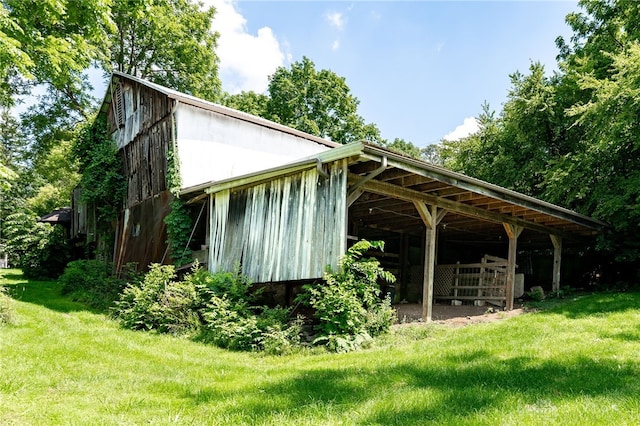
(336, 19)
(246, 60)
(335, 45)
(468, 127)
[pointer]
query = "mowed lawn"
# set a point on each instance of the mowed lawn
(577, 363)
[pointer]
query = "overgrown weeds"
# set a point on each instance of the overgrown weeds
(214, 308)
(222, 308)
(91, 282)
(7, 310)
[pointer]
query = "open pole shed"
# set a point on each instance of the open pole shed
(288, 223)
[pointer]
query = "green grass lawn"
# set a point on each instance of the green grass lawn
(577, 363)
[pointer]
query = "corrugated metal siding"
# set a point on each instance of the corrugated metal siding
(286, 229)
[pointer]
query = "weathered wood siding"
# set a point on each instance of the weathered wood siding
(140, 124)
(141, 233)
(286, 229)
(145, 162)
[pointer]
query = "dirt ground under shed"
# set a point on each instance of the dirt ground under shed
(455, 315)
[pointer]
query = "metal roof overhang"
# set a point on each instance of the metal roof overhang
(383, 187)
(476, 210)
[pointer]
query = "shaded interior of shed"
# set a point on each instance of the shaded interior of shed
(460, 238)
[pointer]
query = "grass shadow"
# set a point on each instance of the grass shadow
(40, 292)
(455, 389)
(598, 304)
(11, 276)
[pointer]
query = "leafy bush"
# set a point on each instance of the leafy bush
(39, 249)
(160, 303)
(282, 338)
(217, 308)
(536, 293)
(348, 305)
(91, 282)
(232, 321)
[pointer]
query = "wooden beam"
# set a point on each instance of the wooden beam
(425, 214)
(557, 257)
(441, 214)
(395, 191)
(513, 232)
(364, 179)
(353, 196)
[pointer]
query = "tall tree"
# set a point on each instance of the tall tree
(404, 147)
(169, 42)
(572, 138)
(249, 102)
(49, 42)
(317, 102)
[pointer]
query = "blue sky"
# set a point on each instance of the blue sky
(420, 69)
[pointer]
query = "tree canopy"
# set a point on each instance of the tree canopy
(573, 138)
(50, 45)
(317, 102)
(169, 42)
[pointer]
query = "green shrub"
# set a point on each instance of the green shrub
(232, 321)
(348, 305)
(235, 286)
(91, 282)
(228, 327)
(160, 303)
(214, 307)
(536, 294)
(39, 249)
(282, 338)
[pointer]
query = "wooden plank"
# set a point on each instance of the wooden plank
(472, 297)
(481, 287)
(425, 214)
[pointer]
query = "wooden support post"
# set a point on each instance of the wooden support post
(429, 268)
(513, 232)
(557, 257)
(456, 279)
(481, 280)
(405, 268)
(431, 217)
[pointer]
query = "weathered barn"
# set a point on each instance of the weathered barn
(286, 204)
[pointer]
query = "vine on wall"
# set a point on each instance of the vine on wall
(104, 185)
(102, 180)
(178, 221)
